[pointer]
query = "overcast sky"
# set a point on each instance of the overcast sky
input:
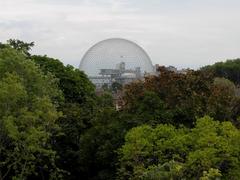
(182, 33)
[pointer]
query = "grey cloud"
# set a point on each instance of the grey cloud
(187, 33)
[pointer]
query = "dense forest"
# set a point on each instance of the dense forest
(169, 126)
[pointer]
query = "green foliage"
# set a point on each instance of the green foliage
(209, 150)
(27, 118)
(229, 70)
(116, 87)
(223, 100)
(98, 145)
(170, 170)
(149, 108)
(78, 110)
(14, 62)
(211, 174)
(21, 46)
(53, 126)
(73, 83)
(105, 100)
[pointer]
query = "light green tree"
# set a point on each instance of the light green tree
(209, 150)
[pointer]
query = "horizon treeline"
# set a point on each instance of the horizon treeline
(170, 126)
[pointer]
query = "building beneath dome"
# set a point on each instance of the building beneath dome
(116, 60)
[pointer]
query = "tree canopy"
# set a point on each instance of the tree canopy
(53, 124)
(28, 118)
(167, 152)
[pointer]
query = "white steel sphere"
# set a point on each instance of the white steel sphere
(108, 53)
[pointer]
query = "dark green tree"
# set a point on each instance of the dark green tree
(21, 46)
(78, 111)
(116, 87)
(229, 69)
(74, 83)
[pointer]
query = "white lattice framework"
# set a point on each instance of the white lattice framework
(107, 53)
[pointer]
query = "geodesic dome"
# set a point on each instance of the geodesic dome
(108, 53)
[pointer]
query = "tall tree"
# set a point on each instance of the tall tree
(78, 108)
(28, 118)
